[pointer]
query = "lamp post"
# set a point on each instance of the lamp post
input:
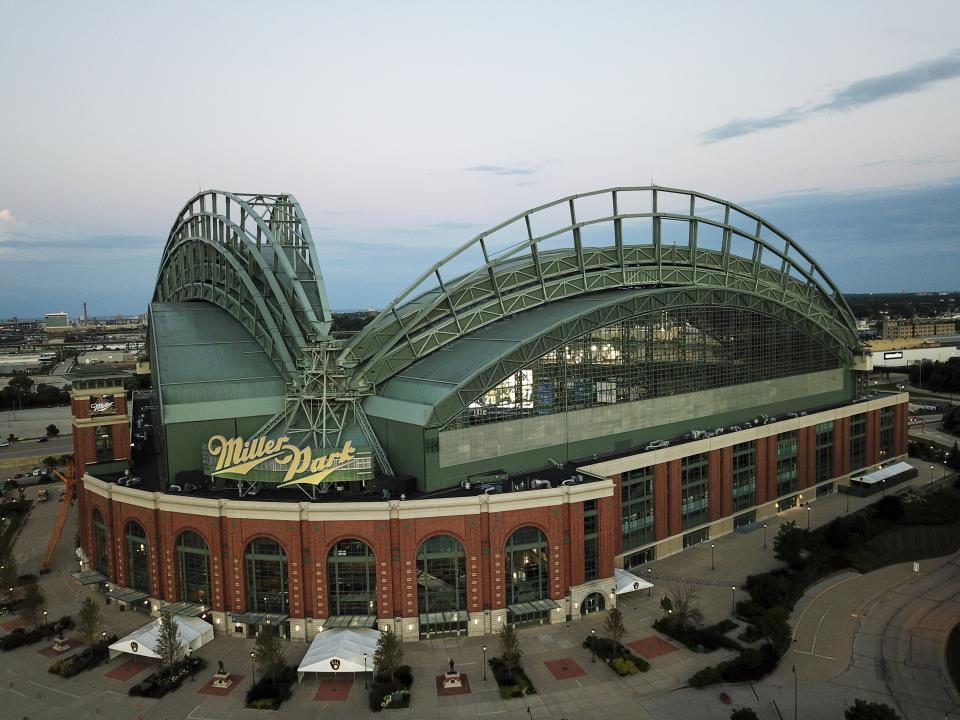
(365, 671)
(593, 645)
(733, 599)
(883, 487)
(44, 617)
(650, 580)
(931, 474)
(712, 566)
(764, 536)
(795, 710)
(484, 648)
(253, 668)
(848, 500)
(808, 517)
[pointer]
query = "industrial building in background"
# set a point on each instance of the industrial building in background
(594, 384)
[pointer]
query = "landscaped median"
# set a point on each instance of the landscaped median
(616, 656)
(87, 659)
(168, 679)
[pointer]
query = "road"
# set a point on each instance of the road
(35, 532)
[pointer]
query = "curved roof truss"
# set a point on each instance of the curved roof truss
(597, 241)
(253, 256)
(617, 308)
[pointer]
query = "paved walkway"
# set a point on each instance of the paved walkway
(27, 690)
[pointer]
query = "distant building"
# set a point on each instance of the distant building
(917, 328)
(56, 322)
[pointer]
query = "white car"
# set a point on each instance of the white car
(657, 445)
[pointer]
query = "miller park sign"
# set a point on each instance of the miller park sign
(240, 459)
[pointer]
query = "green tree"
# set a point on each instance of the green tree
(52, 430)
(389, 653)
(788, 544)
(510, 651)
(32, 604)
(268, 652)
(50, 462)
(88, 621)
(169, 647)
(21, 382)
(774, 625)
(743, 714)
(11, 438)
(613, 627)
(863, 710)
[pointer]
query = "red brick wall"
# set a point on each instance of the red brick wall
(726, 481)
(760, 470)
(661, 502)
(714, 493)
(675, 496)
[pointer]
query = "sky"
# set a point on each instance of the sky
(404, 129)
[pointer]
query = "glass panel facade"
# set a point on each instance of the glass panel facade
(696, 491)
(786, 463)
(266, 563)
(103, 436)
(591, 541)
(858, 441)
(887, 415)
(441, 575)
(352, 579)
(138, 557)
(193, 568)
(675, 351)
(527, 566)
(744, 476)
(636, 494)
(101, 550)
(825, 451)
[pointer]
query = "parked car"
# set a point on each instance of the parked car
(43, 439)
(540, 484)
(174, 489)
(42, 495)
(190, 487)
(133, 482)
(490, 488)
(657, 444)
(695, 435)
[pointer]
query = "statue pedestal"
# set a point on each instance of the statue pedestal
(452, 680)
(222, 680)
(61, 646)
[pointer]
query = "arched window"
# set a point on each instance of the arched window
(266, 563)
(592, 603)
(138, 557)
(527, 569)
(352, 579)
(442, 586)
(101, 543)
(193, 568)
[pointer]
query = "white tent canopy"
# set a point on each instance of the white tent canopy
(194, 633)
(883, 474)
(628, 582)
(340, 650)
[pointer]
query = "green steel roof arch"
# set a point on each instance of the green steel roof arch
(609, 308)
(265, 242)
(446, 302)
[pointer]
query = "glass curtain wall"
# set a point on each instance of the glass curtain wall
(636, 494)
(352, 579)
(442, 586)
(858, 441)
(138, 557)
(591, 541)
(101, 558)
(668, 353)
(193, 568)
(824, 451)
(786, 462)
(744, 476)
(266, 565)
(527, 570)
(695, 490)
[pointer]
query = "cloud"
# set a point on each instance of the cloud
(518, 169)
(6, 216)
(855, 95)
(129, 242)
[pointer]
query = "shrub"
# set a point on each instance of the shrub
(890, 508)
(20, 637)
(274, 691)
(624, 667)
(708, 638)
(89, 658)
(512, 684)
(611, 652)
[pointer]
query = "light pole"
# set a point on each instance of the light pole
(365, 671)
(712, 566)
(253, 668)
(593, 645)
(808, 517)
(650, 580)
(764, 536)
(848, 500)
(44, 617)
(931, 474)
(795, 716)
(883, 487)
(733, 599)
(484, 648)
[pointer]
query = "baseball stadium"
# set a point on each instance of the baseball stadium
(594, 384)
